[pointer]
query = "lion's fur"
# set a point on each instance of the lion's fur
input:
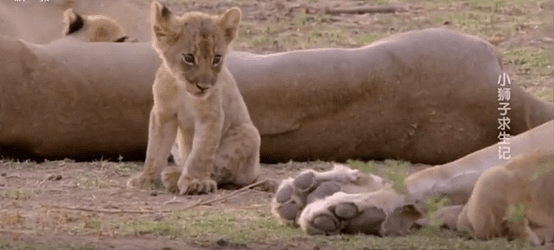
(497, 198)
(456, 179)
(513, 200)
(485, 191)
(390, 99)
(92, 28)
(197, 99)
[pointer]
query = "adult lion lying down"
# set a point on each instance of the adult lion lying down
(491, 198)
(426, 96)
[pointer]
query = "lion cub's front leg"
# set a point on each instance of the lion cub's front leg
(196, 177)
(161, 135)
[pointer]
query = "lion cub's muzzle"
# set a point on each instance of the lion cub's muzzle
(201, 85)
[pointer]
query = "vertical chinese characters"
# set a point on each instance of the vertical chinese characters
(504, 121)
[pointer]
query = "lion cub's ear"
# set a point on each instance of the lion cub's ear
(162, 21)
(73, 21)
(229, 22)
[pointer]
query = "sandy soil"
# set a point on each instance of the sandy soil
(56, 197)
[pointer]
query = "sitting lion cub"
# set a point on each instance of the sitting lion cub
(197, 99)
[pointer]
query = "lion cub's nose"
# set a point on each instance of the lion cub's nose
(204, 82)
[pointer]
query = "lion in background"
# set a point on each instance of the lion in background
(93, 28)
(39, 22)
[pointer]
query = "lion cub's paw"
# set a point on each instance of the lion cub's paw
(142, 181)
(170, 178)
(270, 185)
(295, 193)
(191, 186)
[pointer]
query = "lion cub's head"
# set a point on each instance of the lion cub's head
(92, 28)
(193, 46)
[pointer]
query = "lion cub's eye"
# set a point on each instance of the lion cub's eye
(189, 59)
(217, 59)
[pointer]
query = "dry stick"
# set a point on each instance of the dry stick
(365, 9)
(198, 203)
(201, 203)
(107, 211)
(172, 201)
(15, 231)
(17, 176)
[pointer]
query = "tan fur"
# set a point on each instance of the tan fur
(497, 198)
(525, 181)
(95, 28)
(195, 94)
(457, 179)
(401, 100)
(482, 187)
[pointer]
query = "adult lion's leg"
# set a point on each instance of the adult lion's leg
(508, 199)
(161, 135)
(237, 160)
(457, 179)
(483, 214)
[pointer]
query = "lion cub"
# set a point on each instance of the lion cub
(196, 98)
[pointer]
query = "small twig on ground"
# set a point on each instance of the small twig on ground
(197, 203)
(174, 200)
(208, 202)
(26, 232)
(16, 176)
(107, 211)
(365, 9)
(257, 191)
(41, 182)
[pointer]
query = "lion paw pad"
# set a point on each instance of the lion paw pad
(337, 214)
(295, 193)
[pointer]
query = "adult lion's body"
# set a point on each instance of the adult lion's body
(196, 95)
(426, 96)
(489, 197)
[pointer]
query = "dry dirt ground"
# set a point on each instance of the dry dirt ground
(85, 205)
(65, 201)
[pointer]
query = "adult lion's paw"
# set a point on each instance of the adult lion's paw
(141, 181)
(341, 213)
(383, 213)
(295, 193)
(191, 186)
